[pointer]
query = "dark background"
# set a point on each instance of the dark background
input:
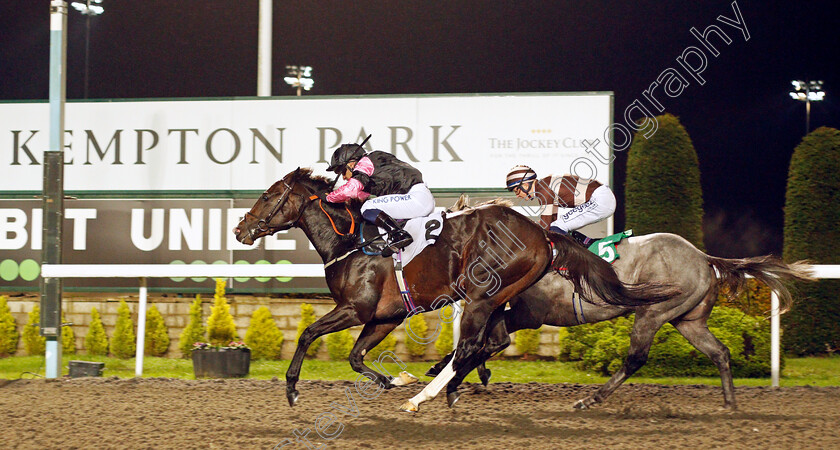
(742, 121)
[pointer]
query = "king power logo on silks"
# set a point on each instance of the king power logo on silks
(605, 247)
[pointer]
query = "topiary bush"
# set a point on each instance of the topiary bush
(96, 341)
(339, 345)
(416, 331)
(194, 331)
(443, 343)
(9, 336)
(33, 342)
(307, 317)
(812, 214)
(387, 345)
(221, 330)
(662, 190)
(124, 342)
(157, 335)
(602, 347)
(263, 336)
(527, 342)
(68, 338)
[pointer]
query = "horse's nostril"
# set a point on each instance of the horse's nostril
(236, 230)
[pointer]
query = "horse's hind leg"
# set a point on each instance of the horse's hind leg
(491, 338)
(698, 334)
(497, 340)
(371, 335)
(641, 338)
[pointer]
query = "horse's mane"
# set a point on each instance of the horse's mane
(463, 203)
(320, 184)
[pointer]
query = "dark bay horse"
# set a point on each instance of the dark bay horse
(486, 255)
(661, 257)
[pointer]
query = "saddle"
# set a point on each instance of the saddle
(424, 231)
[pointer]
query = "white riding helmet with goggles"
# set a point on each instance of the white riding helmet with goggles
(519, 175)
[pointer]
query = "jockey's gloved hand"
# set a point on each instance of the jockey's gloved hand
(322, 196)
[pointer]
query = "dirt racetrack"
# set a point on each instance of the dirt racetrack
(227, 414)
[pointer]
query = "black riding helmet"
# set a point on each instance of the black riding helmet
(346, 153)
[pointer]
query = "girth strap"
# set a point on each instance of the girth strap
(404, 292)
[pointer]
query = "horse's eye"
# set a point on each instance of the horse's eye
(265, 197)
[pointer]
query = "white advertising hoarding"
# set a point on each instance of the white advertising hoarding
(457, 141)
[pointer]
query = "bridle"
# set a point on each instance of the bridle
(263, 224)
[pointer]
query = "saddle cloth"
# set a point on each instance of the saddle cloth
(424, 231)
(605, 247)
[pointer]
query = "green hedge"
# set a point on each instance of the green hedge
(603, 346)
(812, 215)
(662, 191)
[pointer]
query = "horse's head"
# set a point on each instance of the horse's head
(278, 208)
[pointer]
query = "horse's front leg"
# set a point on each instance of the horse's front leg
(336, 320)
(371, 335)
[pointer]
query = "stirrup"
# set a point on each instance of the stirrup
(393, 247)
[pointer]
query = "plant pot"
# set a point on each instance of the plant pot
(221, 363)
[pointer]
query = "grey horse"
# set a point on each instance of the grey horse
(664, 258)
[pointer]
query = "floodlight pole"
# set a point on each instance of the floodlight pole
(53, 195)
(264, 49)
(807, 111)
(87, 54)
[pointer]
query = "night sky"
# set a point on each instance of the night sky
(742, 121)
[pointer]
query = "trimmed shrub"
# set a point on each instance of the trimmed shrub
(221, 330)
(662, 191)
(387, 345)
(812, 212)
(263, 336)
(415, 335)
(157, 335)
(307, 317)
(602, 347)
(443, 344)
(33, 342)
(194, 331)
(124, 344)
(8, 330)
(96, 341)
(68, 338)
(339, 345)
(527, 342)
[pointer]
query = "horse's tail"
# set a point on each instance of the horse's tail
(769, 269)
(584, 268)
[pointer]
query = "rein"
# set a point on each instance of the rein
(352, 219)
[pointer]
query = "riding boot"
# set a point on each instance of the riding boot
(397, 237)
(582, 238)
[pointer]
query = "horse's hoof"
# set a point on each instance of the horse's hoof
(484, 377)
(404, 379)
(433, 372)
(452, 398)
(292, 396)
(409, 407)
(581, 404)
